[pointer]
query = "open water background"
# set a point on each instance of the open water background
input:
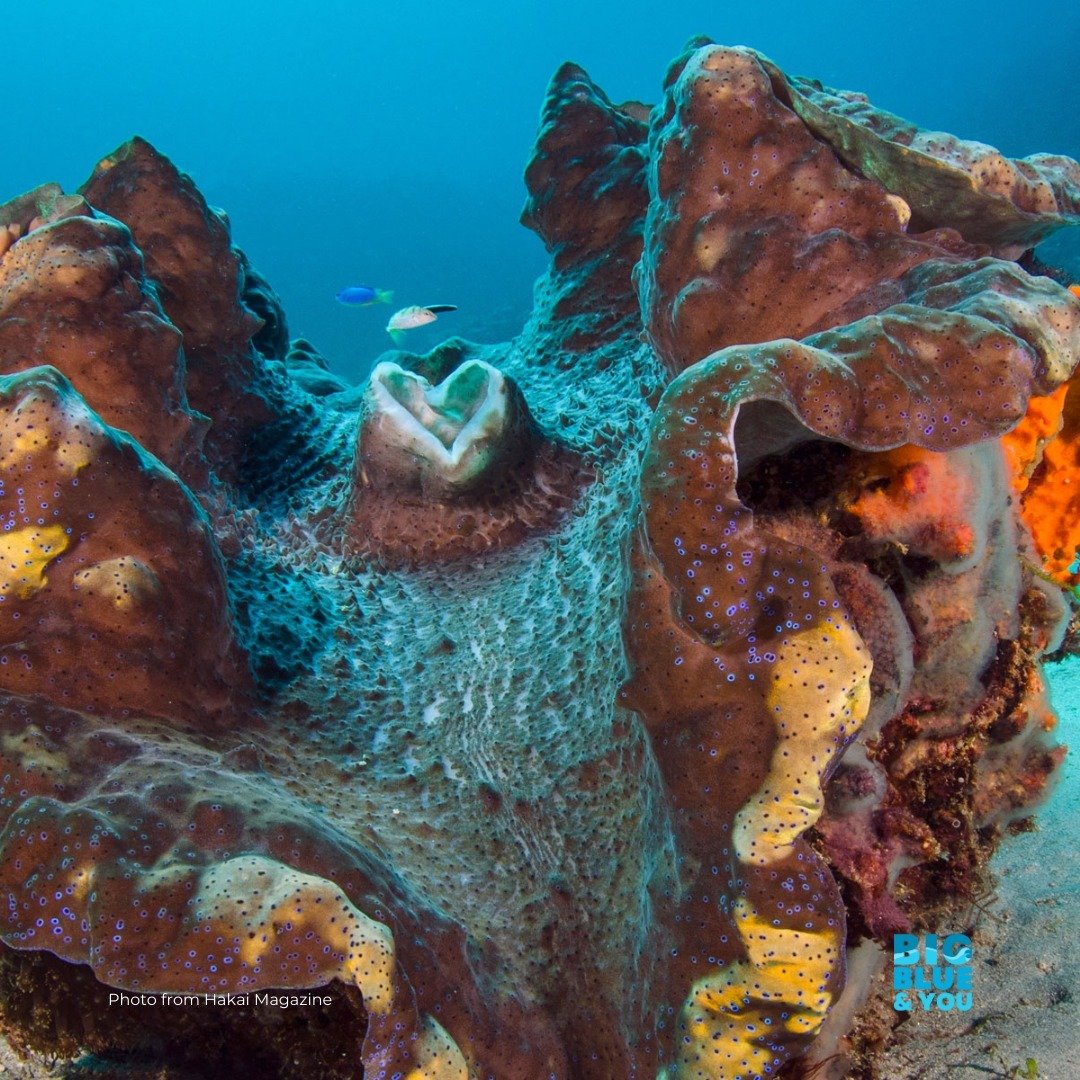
(384, 143)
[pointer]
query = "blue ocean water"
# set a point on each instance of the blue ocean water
(1063, 685)
(1063, 680)
(384, 144)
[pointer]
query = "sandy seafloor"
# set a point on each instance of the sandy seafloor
(1025, 1018)
(1026, 978)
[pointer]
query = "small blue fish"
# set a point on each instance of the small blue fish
(364, 295)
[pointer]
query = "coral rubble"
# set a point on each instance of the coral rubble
(576, 705)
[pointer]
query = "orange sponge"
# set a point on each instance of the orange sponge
(1043, 452)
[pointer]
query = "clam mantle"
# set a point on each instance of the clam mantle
(569, 707)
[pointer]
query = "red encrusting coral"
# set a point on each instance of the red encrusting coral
(114, 595)
(200, 281)
(587, 202)
(73, 295)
